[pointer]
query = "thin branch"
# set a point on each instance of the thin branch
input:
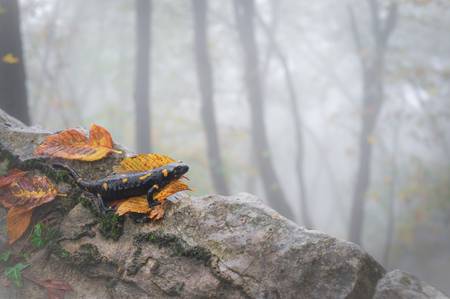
(374, 9)
(356, 37)
(390, 22)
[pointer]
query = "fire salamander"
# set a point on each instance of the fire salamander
(125, 185)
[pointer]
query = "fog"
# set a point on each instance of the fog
(335, 113)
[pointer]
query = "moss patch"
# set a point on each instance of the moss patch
(176, 245)
(111, 226)
(60, 252)
(87, 255)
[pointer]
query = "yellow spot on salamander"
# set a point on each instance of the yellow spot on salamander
(165, 172)
(105, 186)
(156, 187)
(124, 180)
(145, 176)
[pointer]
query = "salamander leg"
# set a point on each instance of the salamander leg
(101, 205)
(151, 201)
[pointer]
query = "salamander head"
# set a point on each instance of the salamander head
(175, 170)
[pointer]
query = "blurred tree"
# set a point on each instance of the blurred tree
(391, 192)
(142, 76)
(13, 91)
(245, 14)
(293, 108)
(206, 86)
(373, 65)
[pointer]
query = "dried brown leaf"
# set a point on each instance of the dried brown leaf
(31, 192)
(12, 176)
(156, 213)
(56, 289)
(18, 220)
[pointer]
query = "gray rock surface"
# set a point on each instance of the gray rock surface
(400, 285)
(205, 247)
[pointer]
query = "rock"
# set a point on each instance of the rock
(401, 285)
(208, 247)
(231, 247)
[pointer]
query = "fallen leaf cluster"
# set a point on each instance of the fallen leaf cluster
(20, 193)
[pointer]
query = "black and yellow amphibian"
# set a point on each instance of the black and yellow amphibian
(125, 185)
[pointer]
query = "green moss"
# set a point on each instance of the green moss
(405, 281)
(176, 245)
(88, 204)
(4, 165)
(136, 262)
(7, 156)
(111, 226)
(87, 255)
(60, 252)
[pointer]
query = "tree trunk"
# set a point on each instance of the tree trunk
(391, 196)
(298, 126)
(13, 91)
(373, 97)
(142, 76)
(245, 13)
(206, 87)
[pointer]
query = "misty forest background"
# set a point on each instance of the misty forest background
(336, 113)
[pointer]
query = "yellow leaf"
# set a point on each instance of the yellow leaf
(371, 139)
(10, 59)
(142, 162)
(18, 220)
(32, 192)
(21, 189)
(139, 204)
(134, 205)
(172, 188)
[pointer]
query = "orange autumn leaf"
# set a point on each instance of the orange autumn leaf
(99, 136)
(142, 162)
(136, 204)
(170, 189)
(21, 195)
(32, 192)
(156, 213)
(74, 145)
(18, 220)
(12, 175)
(139, 205)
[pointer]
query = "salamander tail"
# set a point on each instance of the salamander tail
(80, 181)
